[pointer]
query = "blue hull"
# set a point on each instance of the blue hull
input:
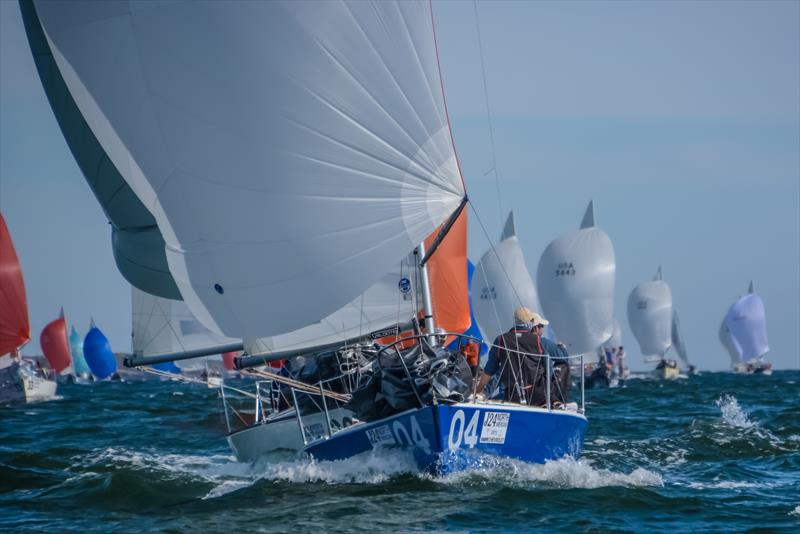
(447, 438)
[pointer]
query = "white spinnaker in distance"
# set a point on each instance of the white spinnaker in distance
(575, 279)
(290, 152)
(501, 284)
(678, 343)
(734, 352)
(746, 321)
(650, 316)
(163, 326)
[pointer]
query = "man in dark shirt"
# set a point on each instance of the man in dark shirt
(514, 355)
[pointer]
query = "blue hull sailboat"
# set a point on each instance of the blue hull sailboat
(452, 437)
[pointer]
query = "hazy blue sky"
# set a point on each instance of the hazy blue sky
(680, 119)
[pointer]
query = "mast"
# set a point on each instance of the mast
(427, 304)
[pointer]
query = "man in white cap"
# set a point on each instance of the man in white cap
(514, 355)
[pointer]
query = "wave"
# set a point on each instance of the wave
(732, 413)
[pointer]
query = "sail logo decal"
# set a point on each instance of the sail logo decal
(380, 436)
(565, 268)
(495, 425)
(404, 285)
(385, 332)
(641, 305)
(488, 293)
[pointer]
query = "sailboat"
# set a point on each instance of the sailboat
(650, 319)
(98, 354)
(319, 130)
(746, 326)
(503, 284)
(80, 367)
(575, 278)
(55, 345)
(20, 379)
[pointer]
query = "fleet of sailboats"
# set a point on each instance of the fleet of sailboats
(320, 131)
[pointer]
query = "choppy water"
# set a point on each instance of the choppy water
(716, 452)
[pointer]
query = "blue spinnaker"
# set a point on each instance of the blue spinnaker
(98, 354)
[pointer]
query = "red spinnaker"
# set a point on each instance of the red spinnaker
(15, 328)
(227, 360)
(55, 345)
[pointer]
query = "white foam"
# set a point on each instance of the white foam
(563, 473)
(732, 413)
(796, 511)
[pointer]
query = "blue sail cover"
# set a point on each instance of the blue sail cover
(98, 354)
(79, 365)
(473, 329)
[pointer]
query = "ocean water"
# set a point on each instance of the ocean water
(716, 452)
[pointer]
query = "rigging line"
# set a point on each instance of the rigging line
(496, 255)
(488, 112)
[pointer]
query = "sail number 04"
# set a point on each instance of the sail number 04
(460, 430)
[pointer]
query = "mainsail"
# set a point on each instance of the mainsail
(650, 316)
(55, 346)
(575, 279)
(318, 129)
(502, 284)
(730, 345)
(746, 321)
(678, 342)
(15, 328)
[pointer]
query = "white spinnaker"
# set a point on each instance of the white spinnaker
(163, 326)
(650, 316)
(501, 283)
(387, 303)
(575, 279)
(290, 152)
(678, 343)
(734, 352)
(746, 321)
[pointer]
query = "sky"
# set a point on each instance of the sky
(681, 120)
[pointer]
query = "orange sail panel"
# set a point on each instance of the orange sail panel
(55, 345)
(15, 328)
(447, 271)
(228, 360)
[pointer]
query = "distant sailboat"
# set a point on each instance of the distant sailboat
(747, 325)
(575, 279)
(79, 364)
(679, 344)
(20, 379)
(55, 344)
(650, 319)
(502, 284)
(98, 353)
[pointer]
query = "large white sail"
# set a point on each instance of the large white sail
(734, 352)
(650, 316)
(575, 279)
(678, 343)
(746, 321)
(501, 284)
(290, 152)
(615, 340)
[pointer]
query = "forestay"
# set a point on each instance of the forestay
(746, 321)
(291, 153)
(650, 316)
(575, 279)
(502, 284)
